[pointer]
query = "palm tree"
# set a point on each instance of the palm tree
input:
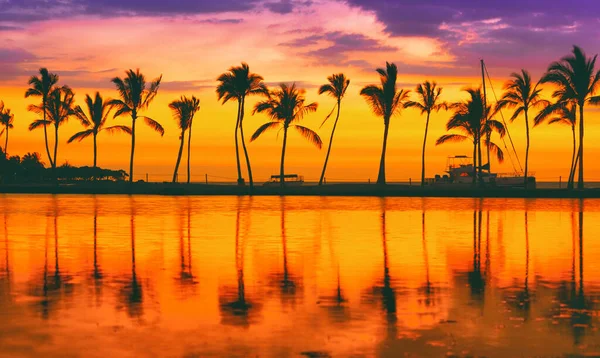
(521, 94)
(58, 110)
(98, 110)
(429, 101)
(136, 96)
(286, 106)
(577, 81)
(6, 120)
(469, 120)
(184, 110)
(336, 88)
(41, 87)
(236, 84)
(385, 101)
(562, 113)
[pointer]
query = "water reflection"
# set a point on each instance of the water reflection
(236, 308)
(277, 276)
(131, 290)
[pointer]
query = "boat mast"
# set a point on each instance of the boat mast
(487, 132)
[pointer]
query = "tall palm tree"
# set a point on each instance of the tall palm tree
(521, 94)
(41, 87)
(6, 120)
(237, 84)
(566, 114)
(429, 101)
(385, 101)
(336, 88)
(98, 110)
(576, 80)
(184, 110)
(58, 110)
(136, 95)
(469, 120)
(285, 107)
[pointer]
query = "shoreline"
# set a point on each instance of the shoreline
(351, 190)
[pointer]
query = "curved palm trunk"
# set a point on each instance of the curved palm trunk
(240, 180)
(244, 144)
(281, 168)
(526, 149)
(479, 160)
(6, 140)
(55, 152)
(474, 161)
(133, 118)
(46, 134)
(337, 117)
(580, 181)
(423, 151)
(572, 171)
(179, 156)
(381, 175)
(189, 150)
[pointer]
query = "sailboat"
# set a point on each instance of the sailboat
(460, 168)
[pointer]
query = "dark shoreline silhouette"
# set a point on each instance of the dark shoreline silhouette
(346, 189)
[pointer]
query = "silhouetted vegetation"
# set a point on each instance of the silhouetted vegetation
(184, 110)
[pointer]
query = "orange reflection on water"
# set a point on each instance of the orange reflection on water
(279, 276)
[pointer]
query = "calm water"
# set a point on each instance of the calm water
(100, 276)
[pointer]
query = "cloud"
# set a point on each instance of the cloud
(214, 21)
(13, 62)
(338, 46)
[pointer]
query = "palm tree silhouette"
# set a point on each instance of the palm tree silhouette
(132, 291)
(385, 101)
(429, 101)
(58, 110)
(336, 88)
(184, 110)
(186, 277)
(6, 120)
(577, 81)
(469, 119)
(286, 106)
(521, 94)
(562, 113)
(136, 96)
(98, 110)
(237, 84)
(42, 86)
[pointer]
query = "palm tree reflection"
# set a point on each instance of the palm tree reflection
(235, 307)
(58, 284)
(186, 277)
(287, 283)
(5, 274)
(427, 290)
(132, 292)
(476, 278)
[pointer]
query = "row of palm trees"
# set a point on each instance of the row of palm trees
(574, 78)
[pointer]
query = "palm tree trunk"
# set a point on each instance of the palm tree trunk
(330, 142)
(95, 150)
(179, 156)
(240, 180)
(479, 160)
(572, 171)
(526, 149)
(381, 175)
(580, 181)
(133, 118)
(46, 134)
(244, 144)
(189, 150)
(55, 153)
(6, 140)
(474, 161)
(423, 151)
(281, 168)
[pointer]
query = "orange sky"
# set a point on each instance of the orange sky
(190, 53)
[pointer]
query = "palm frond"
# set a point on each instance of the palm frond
(39, 123)
(81, 135)
(154, 125)
(450, 138)
(263, 128)
(310, 135)
(116, 129)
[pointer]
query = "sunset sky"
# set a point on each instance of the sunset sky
(190, 42)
